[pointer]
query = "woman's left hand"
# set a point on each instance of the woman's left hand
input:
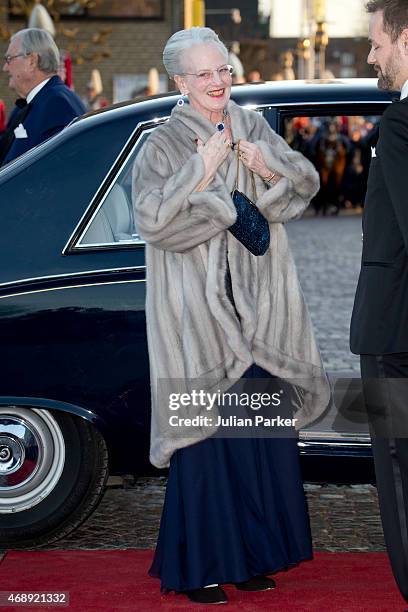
(251, 156)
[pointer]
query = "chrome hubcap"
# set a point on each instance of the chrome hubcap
(32, 457)
(11, 455)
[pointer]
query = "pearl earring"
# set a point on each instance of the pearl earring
(181, 101)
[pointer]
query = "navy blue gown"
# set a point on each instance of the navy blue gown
(234, 508)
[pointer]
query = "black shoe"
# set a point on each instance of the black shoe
(209, 595)
(256, 583)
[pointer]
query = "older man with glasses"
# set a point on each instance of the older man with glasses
(45, 105)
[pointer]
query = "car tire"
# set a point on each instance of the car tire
(53, 471)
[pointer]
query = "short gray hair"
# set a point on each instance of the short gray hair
(395, 15)
(36, 40)
(183, 40)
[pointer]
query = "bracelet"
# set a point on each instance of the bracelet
(271, 179)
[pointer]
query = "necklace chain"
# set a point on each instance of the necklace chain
(227, 118)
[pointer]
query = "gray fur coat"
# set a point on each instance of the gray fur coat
(193, 331)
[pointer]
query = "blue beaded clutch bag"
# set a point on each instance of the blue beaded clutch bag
(251, 228)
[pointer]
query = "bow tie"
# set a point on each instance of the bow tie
(21, 102)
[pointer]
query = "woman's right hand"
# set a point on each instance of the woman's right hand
(214, 152)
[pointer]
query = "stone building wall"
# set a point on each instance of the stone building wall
(135, 46)
(345, 57)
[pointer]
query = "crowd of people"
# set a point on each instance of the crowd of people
(340, 149)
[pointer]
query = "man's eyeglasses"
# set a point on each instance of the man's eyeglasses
(9, 58)
(205, 76)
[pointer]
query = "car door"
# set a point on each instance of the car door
(74, 375)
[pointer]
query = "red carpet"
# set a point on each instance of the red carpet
(105, 581)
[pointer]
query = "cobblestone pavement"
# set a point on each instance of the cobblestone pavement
(342, 518)
(327, 252)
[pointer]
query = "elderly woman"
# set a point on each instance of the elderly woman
(234, 508)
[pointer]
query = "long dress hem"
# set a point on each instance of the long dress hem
(235, 580)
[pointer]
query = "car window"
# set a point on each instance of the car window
(340, 149)
(113, 221)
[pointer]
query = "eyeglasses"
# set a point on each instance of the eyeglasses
(8, 58)
(205, 76)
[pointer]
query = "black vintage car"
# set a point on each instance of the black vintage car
(74, 376)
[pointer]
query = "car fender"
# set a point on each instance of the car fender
(52, 404)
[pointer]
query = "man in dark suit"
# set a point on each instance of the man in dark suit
(45, 105)
(379, 326)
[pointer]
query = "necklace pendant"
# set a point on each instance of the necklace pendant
(221, 124)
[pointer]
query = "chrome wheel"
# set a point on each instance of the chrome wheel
(53, 470)
(32, 457)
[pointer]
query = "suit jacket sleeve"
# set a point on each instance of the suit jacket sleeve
(53, 115)
(393, 155)
(169, 214)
